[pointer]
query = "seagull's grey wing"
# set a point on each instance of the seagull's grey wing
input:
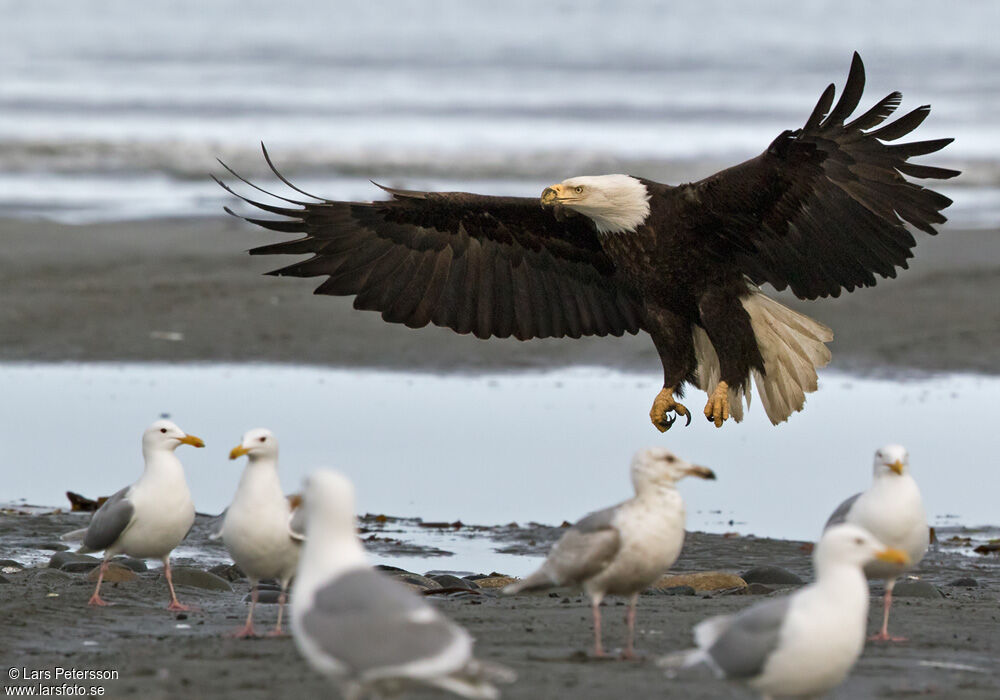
(109, 522)
(839, 515)
(585, 548)
(216, 525)
(371, 624)
(746, 643)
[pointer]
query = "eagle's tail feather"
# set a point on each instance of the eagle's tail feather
(793, 347)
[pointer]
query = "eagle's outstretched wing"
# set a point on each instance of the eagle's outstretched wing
(492, 266)
(822, 209)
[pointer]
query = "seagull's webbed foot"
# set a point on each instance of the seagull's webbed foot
(244, 632)
(663, 405)
(885, 637)
(98, 600)
(177, 606)
(717, 408)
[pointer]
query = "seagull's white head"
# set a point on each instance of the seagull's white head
(615, 203)
(891, 460)
(257, 443)
(850, 545)
(163, 435)
(328, 498)
(658, 466)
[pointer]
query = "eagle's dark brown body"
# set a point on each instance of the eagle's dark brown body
(822, 210)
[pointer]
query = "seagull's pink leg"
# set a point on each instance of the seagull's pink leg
(174, 603)
(96, 598)
(883, 635)
(630, 621)
(595, 605)
(277, 631)
(247, 630)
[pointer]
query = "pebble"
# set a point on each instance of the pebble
(230, 572)
(965, 582)
(190, 576)
(702, 581)
(9, 566)
(414, 581)
(60, 559)
(675, 590)
(137, 565)
(266, 596)
(771, 575)
(916, 589)
(758, 589)
(53, 547)
(78, 567)
(115, 573)
(449, 581)
(498, 581)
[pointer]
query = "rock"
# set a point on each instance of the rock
(771, 575)
(115, 573)
(702, 581)
(758, 589)
(136, 565)
(230, 572)
(449, 581)
(916, 589)
(965, 582)
(4, 579)
(414, 581)
(675, 590)
(386, 567)
(497, 581)
(9, 566)
(60, 559)
(476, 577)
(50, 577)
(266, 596)
(53, 547)
(190, 576)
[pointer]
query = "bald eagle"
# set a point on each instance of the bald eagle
(822, 210)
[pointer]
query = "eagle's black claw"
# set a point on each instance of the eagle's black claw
(668, 422)
(688, 419)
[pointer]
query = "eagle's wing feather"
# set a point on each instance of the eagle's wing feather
(823, 209)
(492, 266)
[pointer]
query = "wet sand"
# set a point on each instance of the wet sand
(185, 290)
(952, 652)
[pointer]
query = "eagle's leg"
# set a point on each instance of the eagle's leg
(731, 333)
(671, 335)
(717, 408)
(663, 405)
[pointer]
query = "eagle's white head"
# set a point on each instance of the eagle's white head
(615, 203)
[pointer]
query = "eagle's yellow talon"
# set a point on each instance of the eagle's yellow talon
(662, 406)
(717, 408)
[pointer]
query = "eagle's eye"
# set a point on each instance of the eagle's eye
(579, 189)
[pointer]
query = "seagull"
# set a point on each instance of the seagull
(803, 644)
(622, 549)
(256, 528)
(892, 510)
(149, 518)
(368, 633)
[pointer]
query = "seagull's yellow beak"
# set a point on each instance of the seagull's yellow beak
(551, 195)
(238, 451)
(193, 441)
(701, 472)
(897, 467)
(893, 556)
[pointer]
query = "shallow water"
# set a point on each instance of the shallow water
(493, 449)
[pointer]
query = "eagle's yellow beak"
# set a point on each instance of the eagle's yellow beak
(238, 451)
(893, 556)
(193, 441)
(897, 467)
(551, 195)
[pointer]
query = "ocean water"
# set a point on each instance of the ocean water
(112, 109)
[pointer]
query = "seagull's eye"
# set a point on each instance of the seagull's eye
(859, 541)
(579, 189)
(263, 439)
(163, 430)
(671, 459)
